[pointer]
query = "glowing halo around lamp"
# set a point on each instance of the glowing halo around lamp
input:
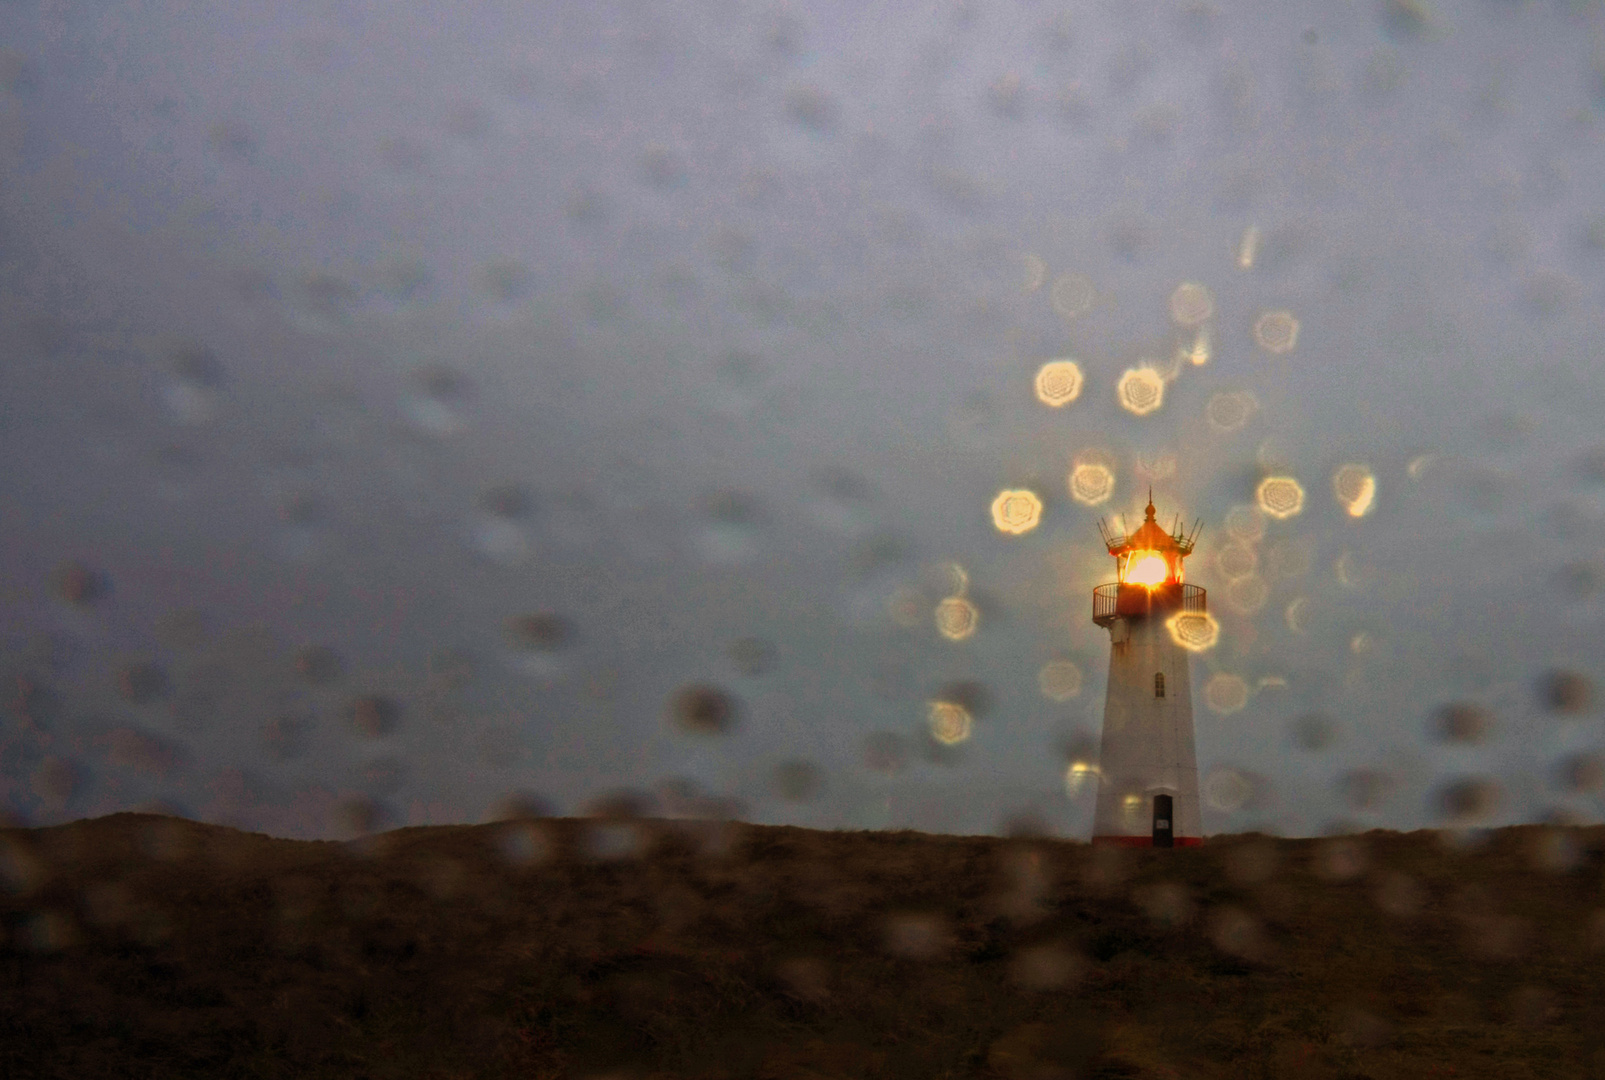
(1146, 568)
(1078, 776)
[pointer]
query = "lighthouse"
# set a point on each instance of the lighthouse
(1148, 767)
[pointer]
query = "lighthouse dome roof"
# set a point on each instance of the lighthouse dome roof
(1151, 536)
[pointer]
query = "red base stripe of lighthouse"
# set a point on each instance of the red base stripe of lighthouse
(1144, 841)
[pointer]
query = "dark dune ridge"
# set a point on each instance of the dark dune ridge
(144, 946)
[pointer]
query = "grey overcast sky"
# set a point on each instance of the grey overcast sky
(410, 407)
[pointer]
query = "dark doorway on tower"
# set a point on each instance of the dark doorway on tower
(1164, 834)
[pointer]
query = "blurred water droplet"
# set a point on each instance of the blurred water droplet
(1314, 731)
(1341, 859)
(798, 781)
(916, 935)
(1463, 722)
(143, 682)
(1469, 800)
(885, 752)
(1565, 692)
(525, 845)
(319, 665)
(1583, 773)
(287, 735)
(81, 585)
(1167, 903)
(373, 715)
(702, 709)
(540, 631)
(752, 656)
(806, 978)
(1365, 789)
(1238, 933)
(1046, 967)
(359, 817)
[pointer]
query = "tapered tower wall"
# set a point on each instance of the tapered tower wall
(1148, 747)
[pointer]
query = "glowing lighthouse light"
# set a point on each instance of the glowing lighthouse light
(1148, 768)
(1146, 568)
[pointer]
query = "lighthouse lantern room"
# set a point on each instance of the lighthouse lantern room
(1148, 766)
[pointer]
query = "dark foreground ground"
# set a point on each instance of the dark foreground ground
(145, 946)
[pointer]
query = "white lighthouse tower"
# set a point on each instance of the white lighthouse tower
(1148, 768)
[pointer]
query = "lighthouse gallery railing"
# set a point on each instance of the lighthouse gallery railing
(1114, 600)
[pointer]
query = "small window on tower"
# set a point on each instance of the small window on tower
(1159, 684)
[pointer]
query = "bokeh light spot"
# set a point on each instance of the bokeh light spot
(1059, 680)
(1227, 790)
(1281, 497)
(1016, 511)
(1245, 524)
(1158, 467)
(946, 578)
(1226, 694)
(1236, 561)
(1072, 295)
(1141, 390)
(1247, 595)
(950, 722)
(906, 607)
(956, 618)
(1248, 248)
(1036, 272)
(1276, 332)
(1191, 304)
(1058, 382)
(1091, 483)
(1228, 412)
(1195, 631)
(1356, 489)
